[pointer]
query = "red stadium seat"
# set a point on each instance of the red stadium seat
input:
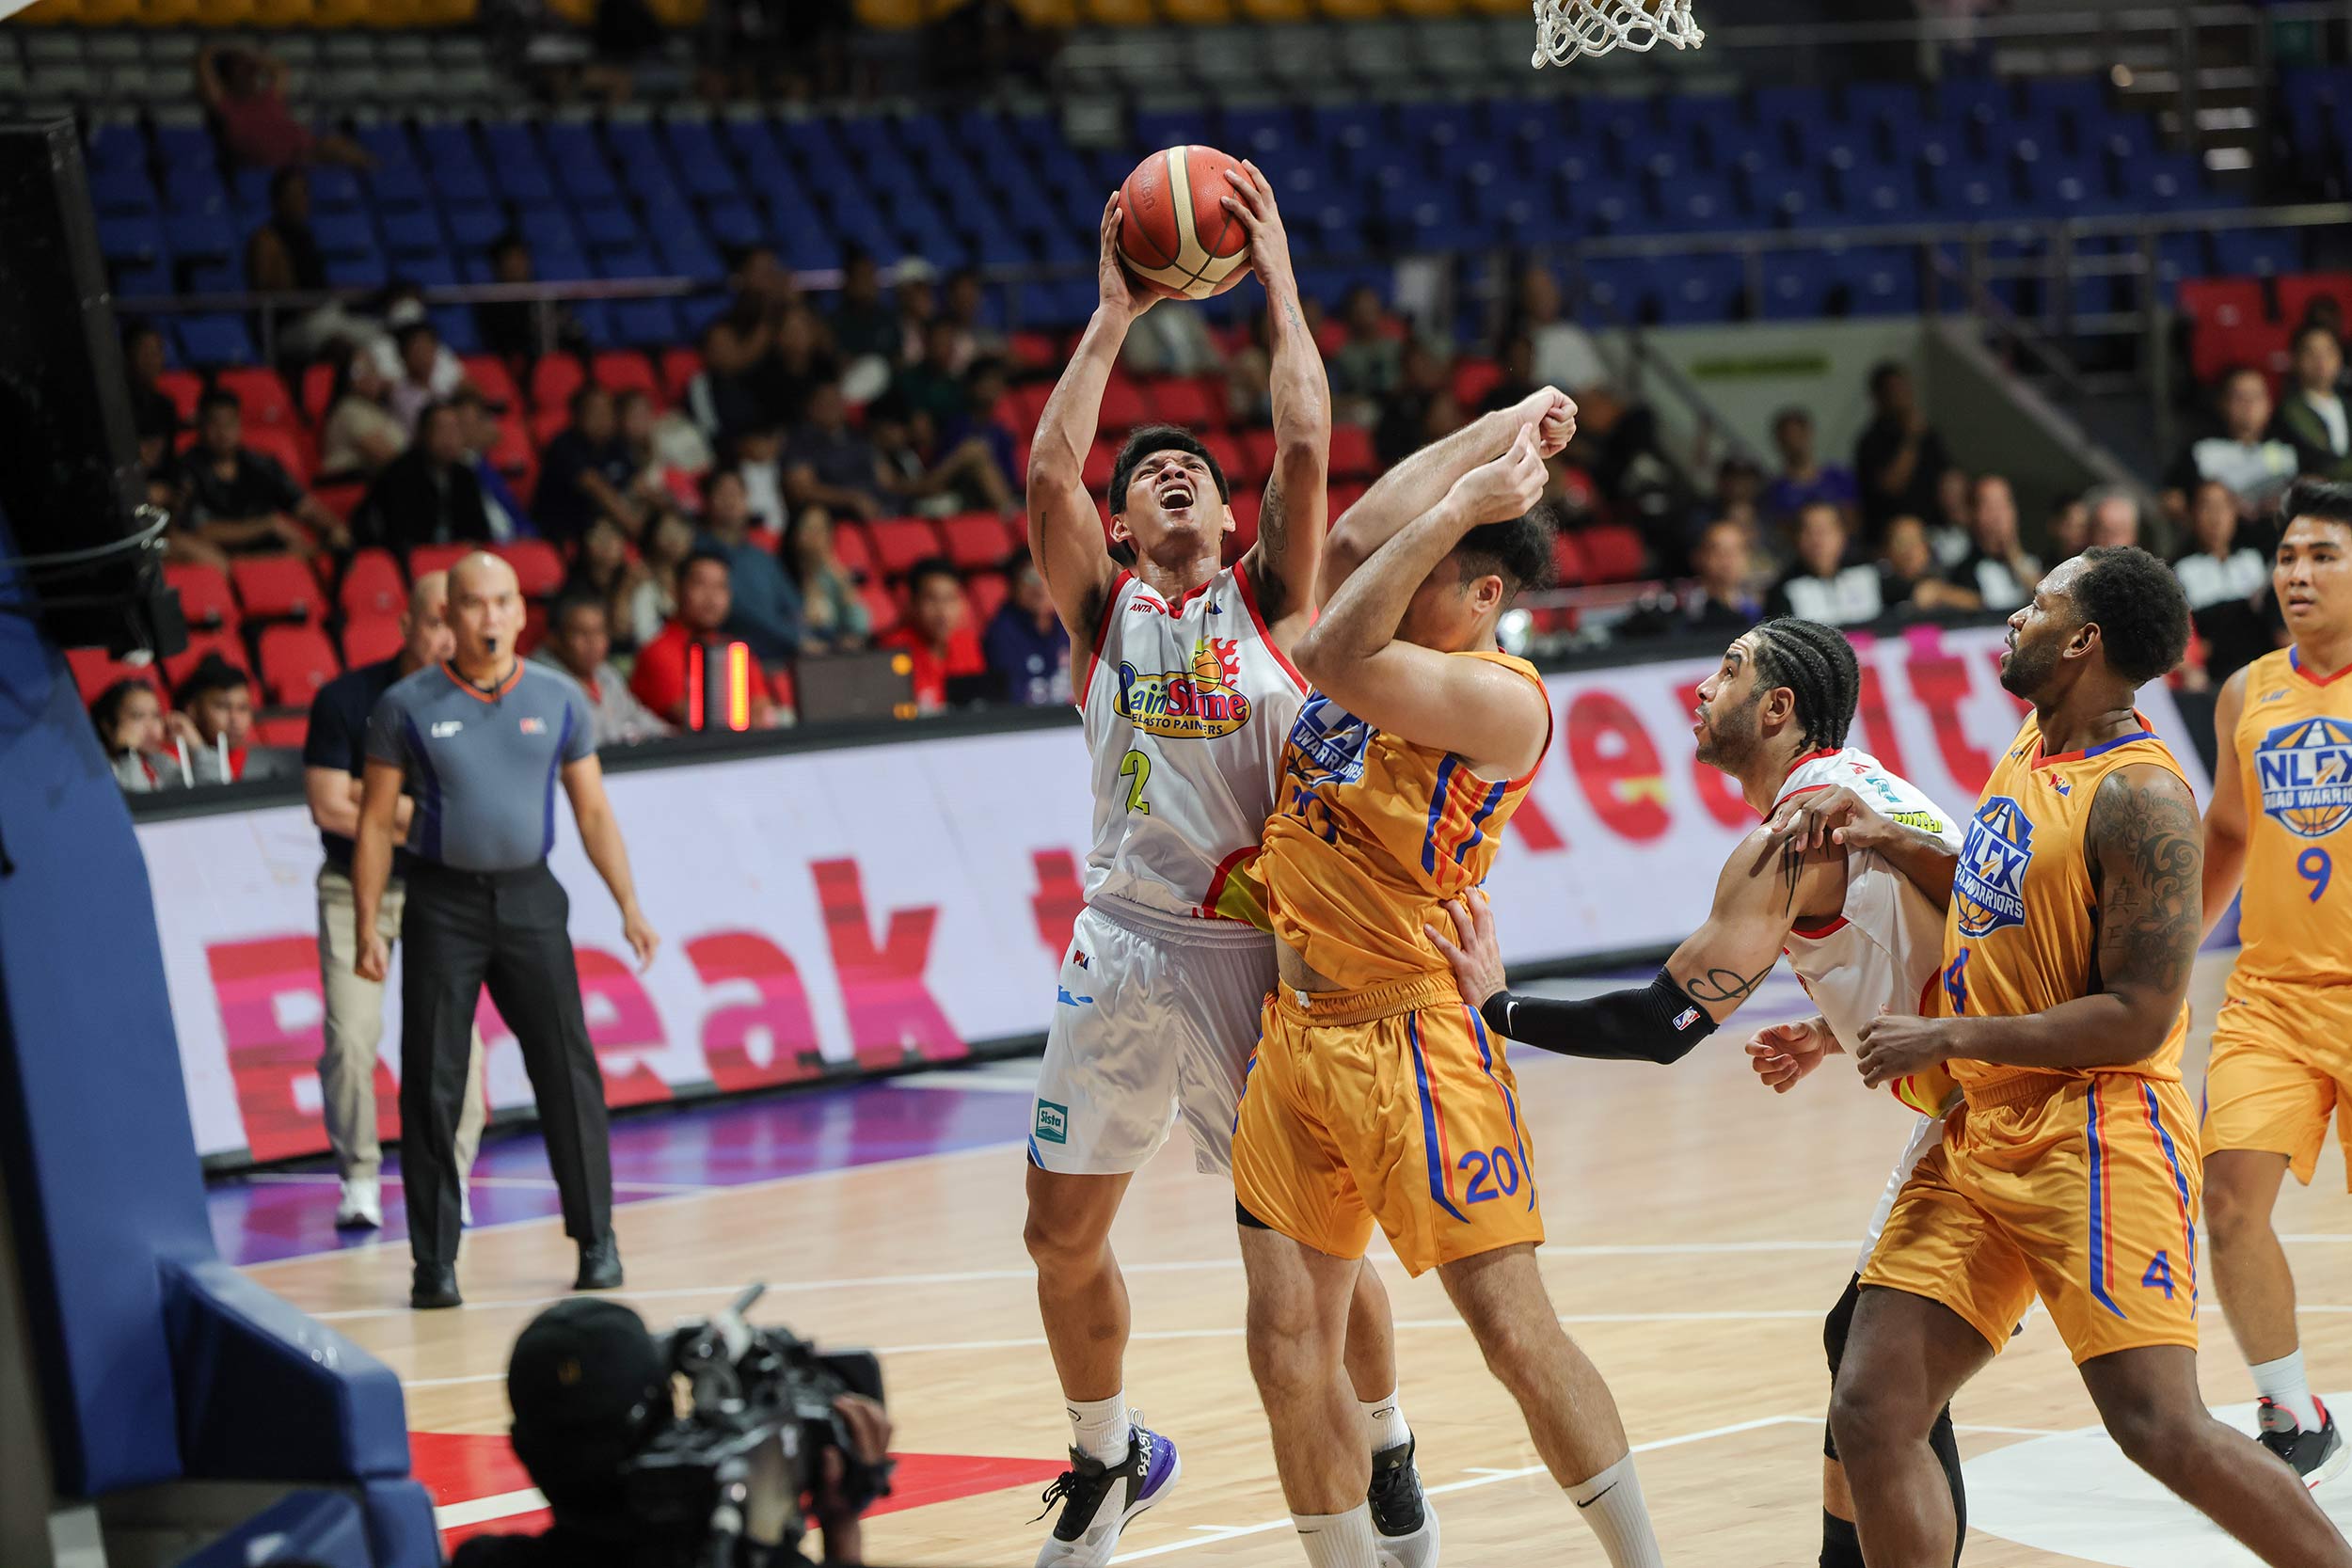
(259, 393)
(491, 378)
(1567, 561)
(881, 608)
(435, 557)
(1124, 404)
(184, 387)
(853, 550)
(625, 370)
(206, 598)
(296, 662)
(318, 384)
(341, 497)
(289, 445)
(1352, 456)
(554, 379)
(537, 566)
(289, 730)
(534, 627)
(93, 672)
(230, 646)
(2297, 290)
(1028, 403)
(680, 367)
(373, 584)
(2222, 301)
(1472, 380)
(1184, 401)
(900, 541)
(547, 423)
(1031, 350)
(1344, 497)
(277, 588)
(2215, 350)
(988, 592)
(371, 639)
(1247, 506)
(1614, 553)
(975, 540)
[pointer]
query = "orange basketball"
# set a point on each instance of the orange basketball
(1177, 237)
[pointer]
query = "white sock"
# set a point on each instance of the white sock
(1610, 1506)
(1100, 1428)
(1385, 1420)
(2282, 1382)
(1339, 1540)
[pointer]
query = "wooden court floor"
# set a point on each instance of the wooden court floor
(1699, 1229)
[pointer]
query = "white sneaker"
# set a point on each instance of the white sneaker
(362, 1208)
(465, 1206)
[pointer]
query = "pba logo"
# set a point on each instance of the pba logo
(1989, 888)
(2305, 770)
(1197, 703)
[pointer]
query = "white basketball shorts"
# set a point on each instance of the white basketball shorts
(1925, 1135)
(1157, 1018)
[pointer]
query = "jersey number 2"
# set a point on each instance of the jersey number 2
(1137, 769)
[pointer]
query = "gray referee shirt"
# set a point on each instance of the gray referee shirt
(483, 766)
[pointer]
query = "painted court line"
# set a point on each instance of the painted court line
(526, 1184)
(481, 1510)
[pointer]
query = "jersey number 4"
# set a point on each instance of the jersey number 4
(2159, 1276)
(1137, 769)
(1956, 983)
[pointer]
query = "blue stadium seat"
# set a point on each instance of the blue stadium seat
(1882, 104)
(205, 235)
(646, 322)
(185, 146)
(735, 224)
(1833, 144)
(116, 147)
(333, 188)
(136, 282)
(455, 326)
(1882, 280)
(388, 142)
(2258, 252)
(427, 272)
(1973, 99)
(400, 185)
(358, 271)
(344, 234)
(1774, 106)
(1698, 202)
(635, 262)
(596, 323)
(605, 227)
(1969, 192)
(220, 339)
(189, 186)
(1788, 198)
(1694, 289)
(131, 238)
(119, 191)
(217, 277)
(1794, 285)
(474, 225)
(414, 232)
(1877, 194)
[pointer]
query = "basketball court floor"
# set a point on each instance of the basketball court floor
(1699, 1229)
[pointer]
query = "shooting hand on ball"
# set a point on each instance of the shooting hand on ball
(1252, 204)
(1120, 292)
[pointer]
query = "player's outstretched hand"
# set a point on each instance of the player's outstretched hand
(1894, 1047)
(1499, 491)
(1552, 412)
(1835, 817)
(1783, 1052)
(1471, 947)
(1251, 202)
(1119, 289)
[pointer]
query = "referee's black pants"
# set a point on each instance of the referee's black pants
(506, 929)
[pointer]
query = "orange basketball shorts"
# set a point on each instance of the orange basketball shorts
(1392, 1103)
(2281, 1064)
(2085, 1195)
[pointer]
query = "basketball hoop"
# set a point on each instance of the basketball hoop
(1567, 29)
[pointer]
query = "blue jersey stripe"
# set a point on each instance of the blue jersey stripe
(1518, 1140)
(2180, 1183)
(427, 829)
(1477, 824)
(1432, 1155)
(1437, 809)
(2099, 1218)
(2089, 752)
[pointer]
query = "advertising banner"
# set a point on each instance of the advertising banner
(837, 911)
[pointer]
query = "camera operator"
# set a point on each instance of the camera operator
(613, 1426)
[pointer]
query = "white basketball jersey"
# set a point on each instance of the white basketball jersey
(1188, 707)
(1885, 947)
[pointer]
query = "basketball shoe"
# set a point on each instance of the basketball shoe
(1098, 1500)
(2316, 1456)
(362, 1205)
(1407, 1525)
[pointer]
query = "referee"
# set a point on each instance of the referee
(480, 742)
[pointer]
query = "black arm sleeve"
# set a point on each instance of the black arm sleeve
(1657, 1024)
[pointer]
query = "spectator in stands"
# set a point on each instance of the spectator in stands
(1179, 342)
(1803, 477)
(949, 667)
(360, 434)
(934, 383)
(245, 501)
(862, 324)
(1949, 529)
(745, 379)
(914, 294)
(1820, 586)
(918, 476)
(984, 388)
(1565, 354)
(2069, 528)
(245, 92)
(1403, 420)
(503, 510)
(1026, 646)
(428, 373)
(129, 718)
(1909, 576)
(1739, 489)
(2226, 582)
(604, 571)
(218, 700)
(663, 678)
(584, 473)
(1370, 364)
(152, 412)
(2114, 518)
(760, 458)
(1899, 459)
(649, 470)
(834, 617)
(1516, 359)
(580, 643)
(1998, 567)
(403, 307)
(827, 464)
(511, 328)
(1723, 605)
(430, 494)
(282, 257)
(2242, 453)
(654, 599)
(765, 609)
(2311, 416)
(966, 305)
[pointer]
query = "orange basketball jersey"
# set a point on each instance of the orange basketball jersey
(2023, 933)
(1371, 832)
(2295, 749)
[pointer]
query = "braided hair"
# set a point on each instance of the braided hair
(1818, 665)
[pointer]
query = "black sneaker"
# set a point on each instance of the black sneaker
(2316, 1456)
(1407, 1525)
(1098, 1500)
(433, 1287)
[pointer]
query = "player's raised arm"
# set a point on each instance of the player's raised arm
(1764, 890)
(1495, 721)
(1839, 818)
(2226, 828)
(1065, 531)
(1285, 563)
(2147, 858)
(1421, 481)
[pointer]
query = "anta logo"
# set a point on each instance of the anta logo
(1197, 703)
(1053, 1122)
(534, 726)
(444, 728)
(1989, 887)
(2272, 696)
(2305, 771)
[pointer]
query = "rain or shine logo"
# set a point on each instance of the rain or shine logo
(1196, 704)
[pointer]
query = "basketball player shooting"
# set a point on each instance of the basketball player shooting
(2282, 1046)
(2070, 1172)
(1187, 692)
(1861, 936)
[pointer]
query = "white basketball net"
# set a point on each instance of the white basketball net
(1567, 29)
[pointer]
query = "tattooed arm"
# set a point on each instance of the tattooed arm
(2147, 865)
(1283, 565)
(1766, 888)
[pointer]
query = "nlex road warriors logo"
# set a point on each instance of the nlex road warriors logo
(1197, 703)
(2305, 771)
(1989, 889)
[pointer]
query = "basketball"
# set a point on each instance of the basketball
(1177, 238)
